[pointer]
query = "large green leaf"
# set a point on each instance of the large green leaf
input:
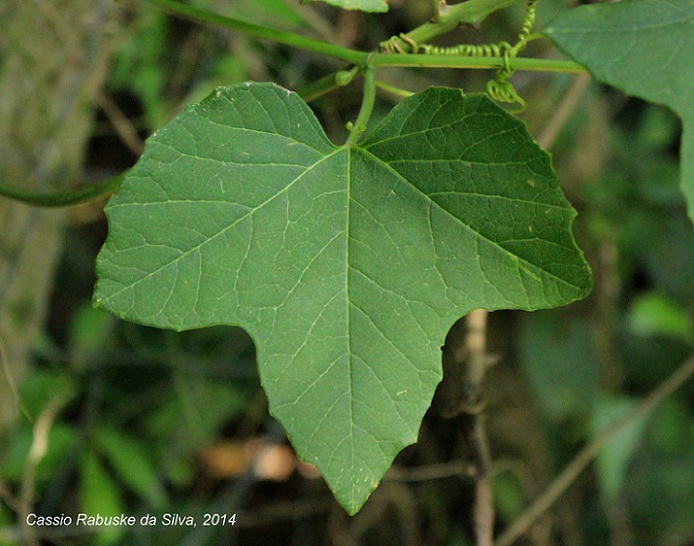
(347, 265)
(644, 48)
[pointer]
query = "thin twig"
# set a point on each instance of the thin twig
(7, 497)
(476, 367)
(36, 452)
(563, 111)
(465, 364)
(7, 373)
(283, 511)
(483, 512)
(449, 469)
(121, 123)
(590, 451)
(315, 20)
(429, 472)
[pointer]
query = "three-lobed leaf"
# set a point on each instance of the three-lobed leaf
(347, 265)
(643, 48)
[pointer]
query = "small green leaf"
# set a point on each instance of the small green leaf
(653, 314)
(132, 464)
(643, 48)
(89, 332)
(558, 360)
(347, 265)
(99, 495)
(613, 460)
(363, 5)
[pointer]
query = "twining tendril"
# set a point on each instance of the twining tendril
(499, 89)
(526, 28)
(465, 50)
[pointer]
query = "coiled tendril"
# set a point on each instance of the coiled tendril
(465, 50)
(499, 89)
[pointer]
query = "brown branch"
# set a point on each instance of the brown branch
(590, 451)
(121, 123)
(563, 111)
(476, 366)
(319, 24)
(282, 511)
(429, 472)
(483, 512)
(465, 363)
(7, 497)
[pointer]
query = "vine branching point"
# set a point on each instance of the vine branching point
(447, 17)
(500, 89)
(367, 105)
(345, 77)
(440, 7)
(471, 12)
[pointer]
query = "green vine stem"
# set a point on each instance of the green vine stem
(469, 12)
(278, 36)
(472, 12)
(393, 90)
(367, 105)
(63, 198)
(448, 61)
(318, 88)
(327, 84)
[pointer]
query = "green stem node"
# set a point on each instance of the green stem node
(345, 77)
(367, 105)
